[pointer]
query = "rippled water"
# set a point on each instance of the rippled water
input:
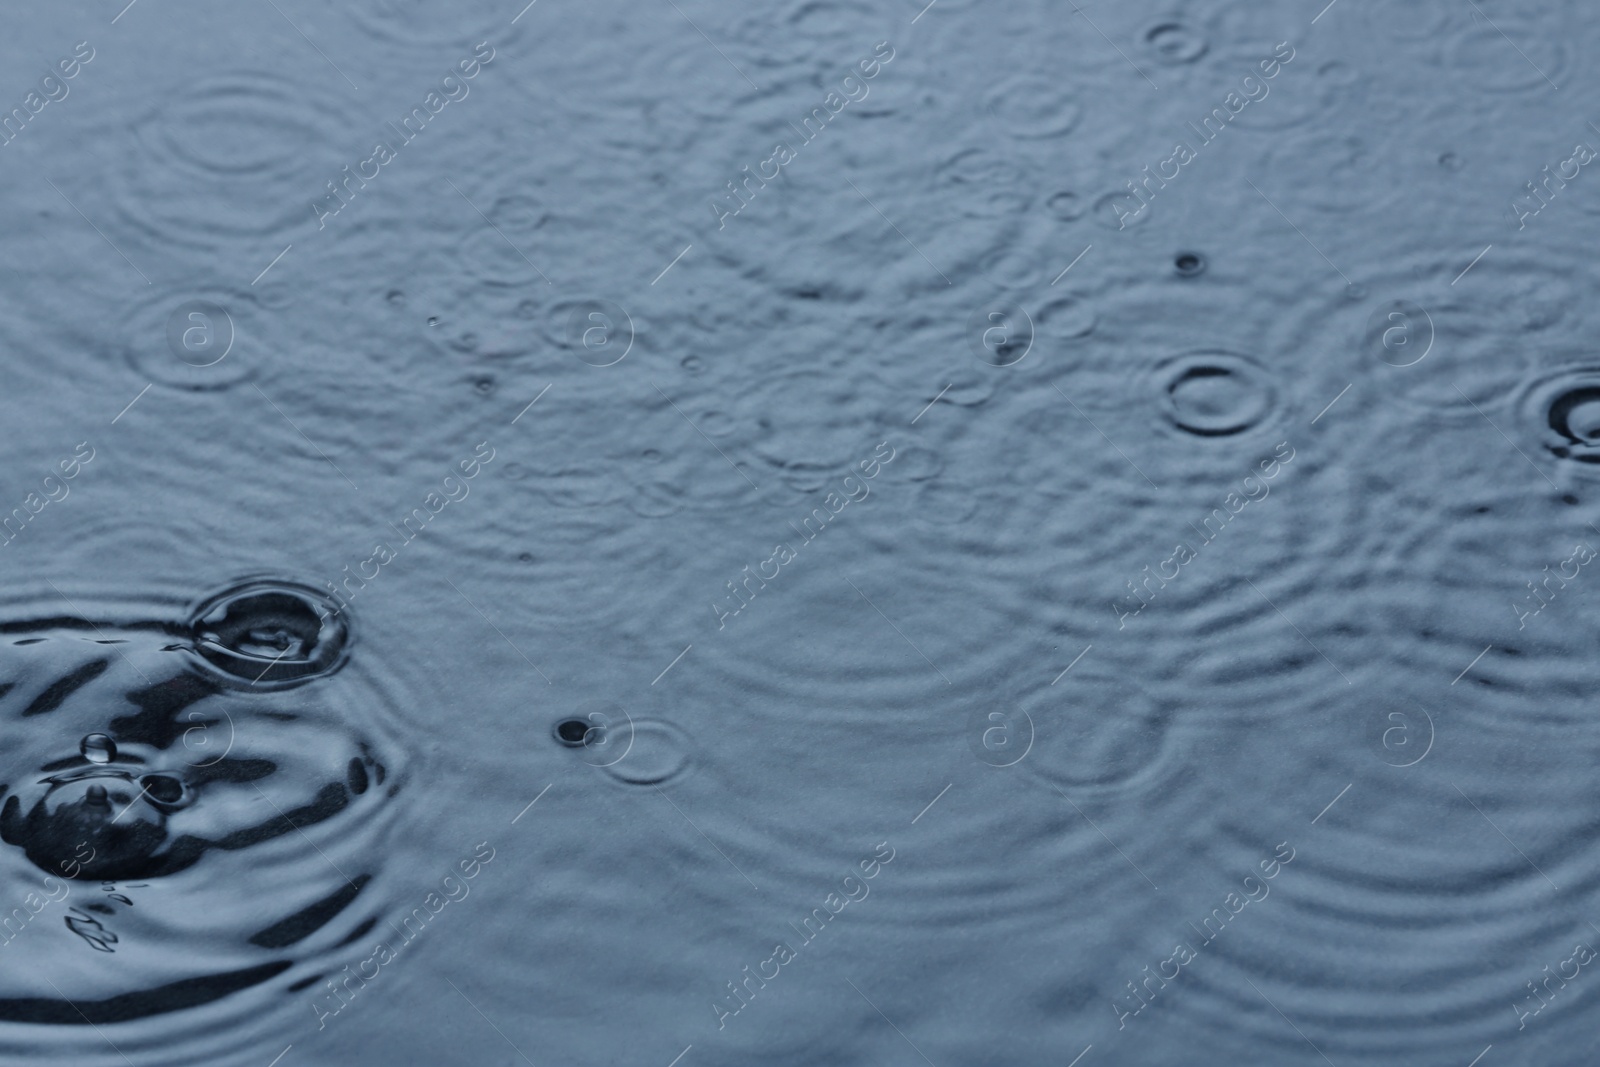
(821, 531)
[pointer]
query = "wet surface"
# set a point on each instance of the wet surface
(820, 531)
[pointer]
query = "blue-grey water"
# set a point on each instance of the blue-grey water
(802, 531)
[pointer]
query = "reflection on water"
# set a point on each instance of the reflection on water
(147, 755)
(1224, 416)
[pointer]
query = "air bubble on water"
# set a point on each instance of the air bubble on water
(98, 748)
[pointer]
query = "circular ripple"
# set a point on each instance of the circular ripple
(986, 185)
(659, 754)
(810, 423)
(1514, 312)
(1031, 106)
(1562, 411)
(208, 173)
(1215, 393)
(1173, 42)
(1097, 732)
(165, 341)
(180, 928)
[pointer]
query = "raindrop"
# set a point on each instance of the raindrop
(571, 732)
(98, 748)
(1190, 264)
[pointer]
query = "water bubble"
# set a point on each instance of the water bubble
(98, 748)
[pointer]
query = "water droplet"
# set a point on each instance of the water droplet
(98, 748)
(1190, 264)
(433, 320)
(693, 364)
